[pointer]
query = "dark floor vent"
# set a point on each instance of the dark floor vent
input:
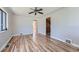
(7, 46)
(68, 41)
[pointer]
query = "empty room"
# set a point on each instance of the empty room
(39, 29)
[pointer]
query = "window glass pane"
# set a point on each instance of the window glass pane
(4, 24)
(0, 20)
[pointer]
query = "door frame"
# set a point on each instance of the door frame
(48, 26)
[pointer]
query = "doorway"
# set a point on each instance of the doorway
(48, 26)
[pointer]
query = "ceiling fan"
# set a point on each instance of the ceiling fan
(36, 10)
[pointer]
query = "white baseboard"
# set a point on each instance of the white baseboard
(42, 33)
(75, 45)
(20, 34)
(57, 38)
(5, 44)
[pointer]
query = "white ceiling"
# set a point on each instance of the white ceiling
(26, 10)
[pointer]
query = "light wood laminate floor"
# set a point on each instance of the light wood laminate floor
(25, 43)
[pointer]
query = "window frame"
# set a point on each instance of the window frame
(2, 11)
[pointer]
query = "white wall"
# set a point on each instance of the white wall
(23, 24)
(5, 35)
(65, 24)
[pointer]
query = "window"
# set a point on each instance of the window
(3, 20)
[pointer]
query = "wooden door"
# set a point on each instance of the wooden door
(48, 26)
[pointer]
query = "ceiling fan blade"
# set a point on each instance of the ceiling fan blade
(35, 13)
(40, 9)
(40, 12)
(31, 12)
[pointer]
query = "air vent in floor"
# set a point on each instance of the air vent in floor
(68, 41)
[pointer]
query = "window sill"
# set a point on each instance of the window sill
(3, 31)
